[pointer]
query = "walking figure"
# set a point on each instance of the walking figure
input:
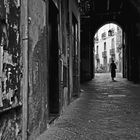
(113, 70)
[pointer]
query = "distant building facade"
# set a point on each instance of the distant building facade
(107, 47)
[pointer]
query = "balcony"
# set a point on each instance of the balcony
(104, 36)
(119, 48)
(112, 51)
(104, 54)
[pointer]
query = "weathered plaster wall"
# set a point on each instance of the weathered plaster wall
(74, 69)
(38, 107)
(12, 66)
(67, 10)
(10, 70)
(10, 125)
(64, 13)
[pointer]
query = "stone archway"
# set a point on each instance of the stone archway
(97, 16)
(108, 45)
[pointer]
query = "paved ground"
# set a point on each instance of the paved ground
(106, 110)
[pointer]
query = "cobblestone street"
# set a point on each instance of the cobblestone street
(105, 110)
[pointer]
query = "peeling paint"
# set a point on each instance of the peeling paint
(10, 126)
(10, 70)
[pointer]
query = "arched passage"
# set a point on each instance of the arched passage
(120, 13)
(108, 42)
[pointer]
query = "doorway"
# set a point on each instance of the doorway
(75, 55)
(53, 71)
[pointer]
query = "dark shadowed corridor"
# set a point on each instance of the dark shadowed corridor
(106, 110)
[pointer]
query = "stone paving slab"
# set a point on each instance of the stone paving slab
(106, 110)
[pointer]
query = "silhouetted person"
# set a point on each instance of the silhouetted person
(113, 70)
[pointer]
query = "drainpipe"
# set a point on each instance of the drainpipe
(24, 39)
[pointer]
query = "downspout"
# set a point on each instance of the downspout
(24, 40)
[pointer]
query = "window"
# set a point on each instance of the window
(104, 46)
(112, 43)
(104, 35)
(97, 47)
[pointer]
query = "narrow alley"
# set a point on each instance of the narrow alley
(105, 110)
(51, 54)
